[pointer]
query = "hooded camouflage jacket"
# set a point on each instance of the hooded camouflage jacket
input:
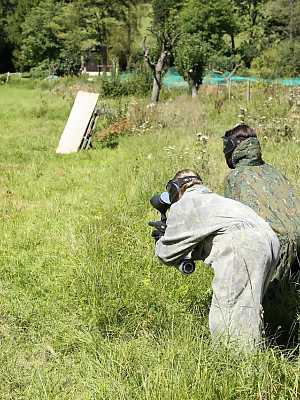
(268, 192)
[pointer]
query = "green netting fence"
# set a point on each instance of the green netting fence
(173, 79)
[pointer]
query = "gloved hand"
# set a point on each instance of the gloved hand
(159, 231)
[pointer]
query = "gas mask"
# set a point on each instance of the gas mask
(174, 186)
(229, 144)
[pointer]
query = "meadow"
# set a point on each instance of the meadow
(87, 311)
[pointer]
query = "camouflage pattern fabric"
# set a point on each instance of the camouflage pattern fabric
(268, 192)
(221, 232)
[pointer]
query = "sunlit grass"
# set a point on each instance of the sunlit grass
(86, 310)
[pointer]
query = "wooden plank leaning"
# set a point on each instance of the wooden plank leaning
(78, 129)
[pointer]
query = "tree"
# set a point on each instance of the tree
(5, 48)
(280, 54)
(125, 35)
(70, 29)
(283, 19)
(159, 67)
(251, 12)
(204, 25)
(191, 56)
(59, 33)
(16, 15)
(251, 16)
(39, 42)
(165, 34)
(103, 17)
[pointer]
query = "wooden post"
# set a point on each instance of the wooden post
(229, 89)
(7, 77)
(248, 95)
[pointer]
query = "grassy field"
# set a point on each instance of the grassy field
(86, 310)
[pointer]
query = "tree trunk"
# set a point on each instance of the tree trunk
(104, 59)
(155, 89)
(157, 80)
(232, 42)
(291, 33)
(129, 38)
(195, 80)
(195, 89)
(82, 64)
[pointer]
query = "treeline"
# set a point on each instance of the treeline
(58, 36)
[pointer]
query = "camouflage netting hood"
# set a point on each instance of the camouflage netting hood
(247, 153)
(269, 194)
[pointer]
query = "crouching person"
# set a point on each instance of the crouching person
(239, 245)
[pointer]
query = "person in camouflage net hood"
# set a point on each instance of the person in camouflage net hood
(266, 191)
(269, 193)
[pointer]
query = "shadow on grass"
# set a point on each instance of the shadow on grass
(281, 314)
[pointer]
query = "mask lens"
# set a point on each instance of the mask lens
(173, 190)
(165, 197)
(228, 145)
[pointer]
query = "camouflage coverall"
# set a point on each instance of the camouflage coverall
(269, 194)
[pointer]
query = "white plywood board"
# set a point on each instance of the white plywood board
(81, 113)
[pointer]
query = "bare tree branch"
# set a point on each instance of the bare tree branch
(237, 66)
(146, 55)
(174, 39)
(234, 70)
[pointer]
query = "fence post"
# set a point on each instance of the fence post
(7, 77)
(229, 88)
(248, 91)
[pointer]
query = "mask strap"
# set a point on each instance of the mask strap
(174, 185)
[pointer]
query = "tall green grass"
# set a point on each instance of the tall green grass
(86, 310)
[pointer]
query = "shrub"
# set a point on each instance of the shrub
(40, 71)
(129, 85)
(278, 61)
(3, 78)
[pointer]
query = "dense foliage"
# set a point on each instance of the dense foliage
(57, 36)
(204, 26)
(135, 84)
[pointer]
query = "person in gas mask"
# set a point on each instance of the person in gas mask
(239, 245)
(266, 191)
(269, 193)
